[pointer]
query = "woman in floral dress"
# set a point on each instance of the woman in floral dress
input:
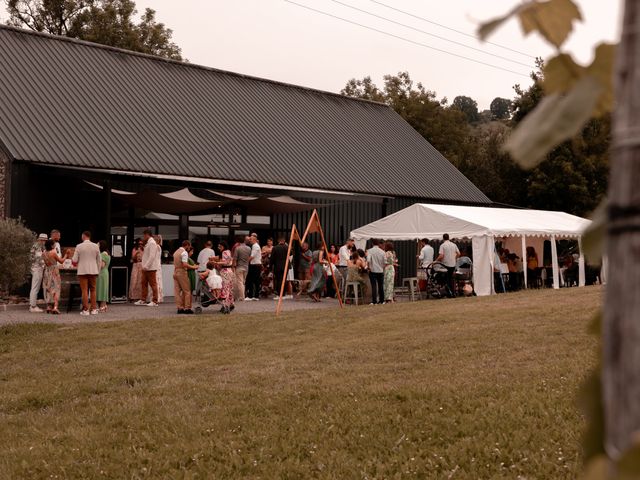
(318, 279)
(389, 272)
(135, 287)
(51, 280)
(223, 265)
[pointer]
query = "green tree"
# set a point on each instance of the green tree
(444, 127)
(468, 106)
(108, 22)
(492, 170)
(500, 108)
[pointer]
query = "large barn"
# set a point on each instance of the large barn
(98, 138)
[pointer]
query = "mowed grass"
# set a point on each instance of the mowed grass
(467, 388)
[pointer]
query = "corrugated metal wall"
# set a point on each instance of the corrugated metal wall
(339, 218)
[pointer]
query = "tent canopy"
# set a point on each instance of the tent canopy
(482, 225)
(429, 220)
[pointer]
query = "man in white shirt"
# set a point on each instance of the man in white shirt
(150, 265)
(87, 259)
(37, 272)
(205, 255)
(344, 255)
(255, 270)
(426, 253)
(376, 260)
(448, 255)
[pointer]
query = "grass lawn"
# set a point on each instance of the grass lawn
(468, 388)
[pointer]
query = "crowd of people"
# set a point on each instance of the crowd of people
(243, 272)
(91, 261)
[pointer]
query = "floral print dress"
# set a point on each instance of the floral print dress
(228, 279)
(389, 275)
(135, 287)
(51, 281)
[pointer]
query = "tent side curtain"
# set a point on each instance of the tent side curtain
(483, 248)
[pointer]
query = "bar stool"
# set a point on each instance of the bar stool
(412, 287)
(355, 288)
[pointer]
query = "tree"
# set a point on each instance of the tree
(444, 127)
(500, 108)
(492, 170)
(108, 22)
(621, 329)
(468, 106)
(575, 94)
(364, 89)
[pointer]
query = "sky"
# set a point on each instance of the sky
(278, 40)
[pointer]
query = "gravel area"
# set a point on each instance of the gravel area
(118, 312)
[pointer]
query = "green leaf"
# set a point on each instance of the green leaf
(594, 236)
(602, 69)
(552, 19)
(561, 73)
(555, 119)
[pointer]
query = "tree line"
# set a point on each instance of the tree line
(108, 22)
(572, 178)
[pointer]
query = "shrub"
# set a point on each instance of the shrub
(16, 241)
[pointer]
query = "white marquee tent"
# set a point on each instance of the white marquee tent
(483, 225)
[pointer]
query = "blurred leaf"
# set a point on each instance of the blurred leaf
(597, 469)
(552, 19)
(555, 119)
(489, 27)
(594, 236)
(602, 69)
(561, 73)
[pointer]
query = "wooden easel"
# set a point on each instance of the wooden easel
(313, 226)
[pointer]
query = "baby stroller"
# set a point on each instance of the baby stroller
(204, 297)
(463, 276)
(437, 286)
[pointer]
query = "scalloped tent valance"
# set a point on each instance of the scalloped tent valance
(432, 221)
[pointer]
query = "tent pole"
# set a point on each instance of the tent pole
(581, 271)
(554, 263)
(524, 259)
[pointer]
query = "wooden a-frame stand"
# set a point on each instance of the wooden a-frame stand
(314, 226)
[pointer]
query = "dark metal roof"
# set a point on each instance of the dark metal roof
(73, 103)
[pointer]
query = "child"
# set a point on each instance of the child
(214, 281)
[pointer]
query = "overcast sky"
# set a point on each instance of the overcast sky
(281, 41)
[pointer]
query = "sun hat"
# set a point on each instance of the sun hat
(43, 236)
